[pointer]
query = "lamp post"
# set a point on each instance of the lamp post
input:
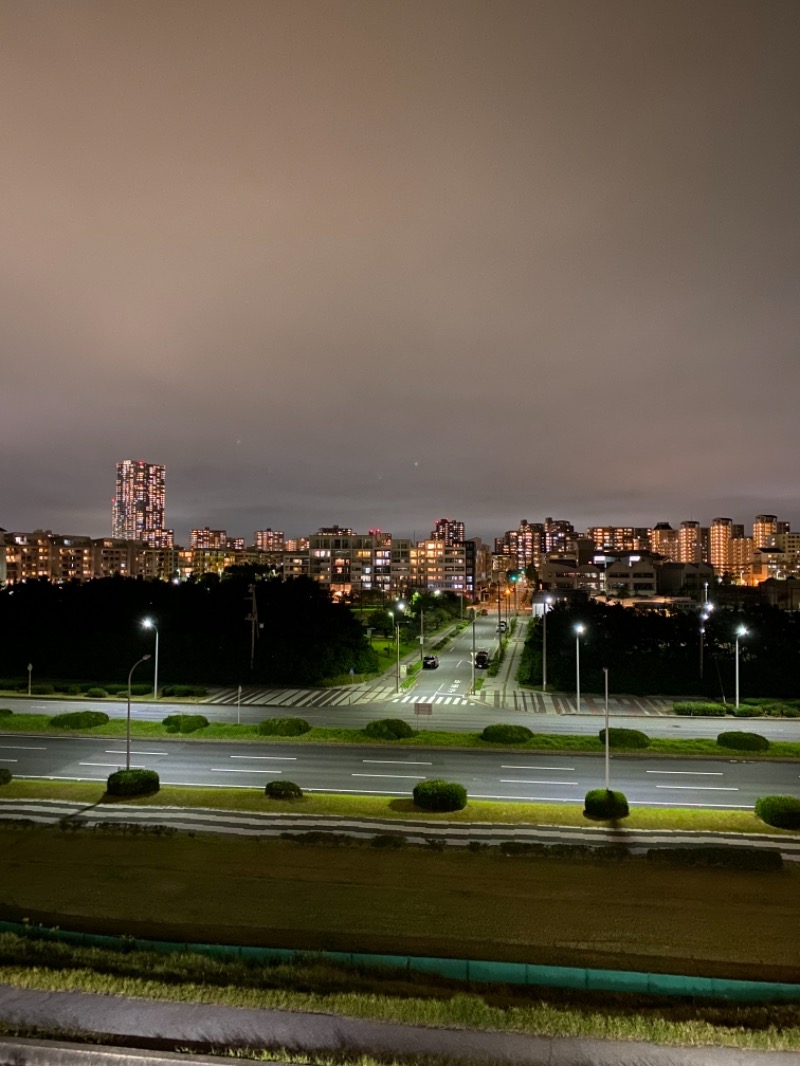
(578, 630)
(422, 634)
(400, 607)
(608, 756)
(707, 609)
(148, 623)
(740, 632)
(143, 659)
(474, 612)
(547, 602)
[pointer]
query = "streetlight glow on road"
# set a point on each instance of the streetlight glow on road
(148, 623)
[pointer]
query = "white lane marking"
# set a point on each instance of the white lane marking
(522, 781)
(273, 758)
(410, 777)
(9, 760)
(507, 766)
(115, 764)
(700, 788)
(111, 752)
(38, 736)
(692, 773)
(357, 791)
(233, 770)
(21, 747)
(397, 762)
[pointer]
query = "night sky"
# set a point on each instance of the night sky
(374, 263)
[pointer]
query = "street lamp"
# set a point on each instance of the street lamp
(608, 742)
(148, 623)
(400, 607)
(740, 632)
(474, 613)
(579, 628)
(704, 615)
(143, 659)
(547, 602)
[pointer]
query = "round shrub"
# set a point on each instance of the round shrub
(750, 712)
(184, 723)
(96, 693)
(625, 738)
(283, 727)
(43, 688)
(693, 708)
(79, 719)
(440, 795)
(742, 741)
(5, 712)
(132, 783)
(506, 734)
(72, 690)
(781, 811)
(283, 790)
(5, 775)
(605, 805)
(388, 729)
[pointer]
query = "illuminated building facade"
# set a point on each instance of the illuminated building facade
(137, 511)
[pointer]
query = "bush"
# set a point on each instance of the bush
(79, 719)
(501, 733)
(5, 775)
(695, 707)
(43, 688)
(5, 712)
(184, 723)
(781, 811)
(605, 805)
(283, 727)
(132, 783)
(709, 855)
(742, 741)
(625, 738)
(440, 795)
(283, 790)
(72, 690)
(749, 712)
(97, 693)
(181, 691)
(388, 729)
(388, 840)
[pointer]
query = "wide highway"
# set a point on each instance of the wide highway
(501, 775)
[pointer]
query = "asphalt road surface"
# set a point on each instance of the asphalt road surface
(501, 775)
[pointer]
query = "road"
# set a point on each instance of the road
(501, 775)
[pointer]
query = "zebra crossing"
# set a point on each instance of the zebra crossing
(522, 701)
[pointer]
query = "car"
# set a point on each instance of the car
(430, 662)
(502, 627)
(482, 659)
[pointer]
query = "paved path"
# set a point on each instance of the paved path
(115, 1016)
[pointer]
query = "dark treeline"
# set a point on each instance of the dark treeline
(646, 652)
(93, 631)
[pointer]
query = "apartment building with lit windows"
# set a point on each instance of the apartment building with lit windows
(137, 509)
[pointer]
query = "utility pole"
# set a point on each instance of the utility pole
(252, 618)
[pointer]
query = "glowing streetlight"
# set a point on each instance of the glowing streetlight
(740, 632)
(148, 623)
(579, 628)
(546, 605)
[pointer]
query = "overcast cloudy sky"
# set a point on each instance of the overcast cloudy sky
(379, 262)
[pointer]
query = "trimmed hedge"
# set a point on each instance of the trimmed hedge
(388, 840)
(182, 690)
(693, 708)
(730, 857)
(184, 723)
(283, 790)
(132, 783)
(605, 805)
(438, 795)
(97, 693)
(625, 738)
(503, 733)
(781, 811)
(79, 719)
(42, 688)
(5, 712)
(5, 775)
(388, 729)
(283, 727)
(742, 741)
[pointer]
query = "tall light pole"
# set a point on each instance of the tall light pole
(143, 659)
(400, 607)
(545, 606)
(148, 623)
(474, 612)
(608, 774)
(421, 634)
(578, 630)
(707, 609)
(740, 632)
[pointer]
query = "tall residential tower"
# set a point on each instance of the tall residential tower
(137, 510)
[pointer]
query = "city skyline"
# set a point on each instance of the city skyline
(379, 263)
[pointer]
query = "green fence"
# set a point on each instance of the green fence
(507, 973)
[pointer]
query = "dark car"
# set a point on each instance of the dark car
(430, 662)
(482, 659)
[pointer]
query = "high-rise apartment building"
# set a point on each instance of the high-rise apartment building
(556, 534)
(765, 526)
(269, 540)
(450, 530)
(720, 547)
(690, 549)
(664, 540)
(137, 510)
